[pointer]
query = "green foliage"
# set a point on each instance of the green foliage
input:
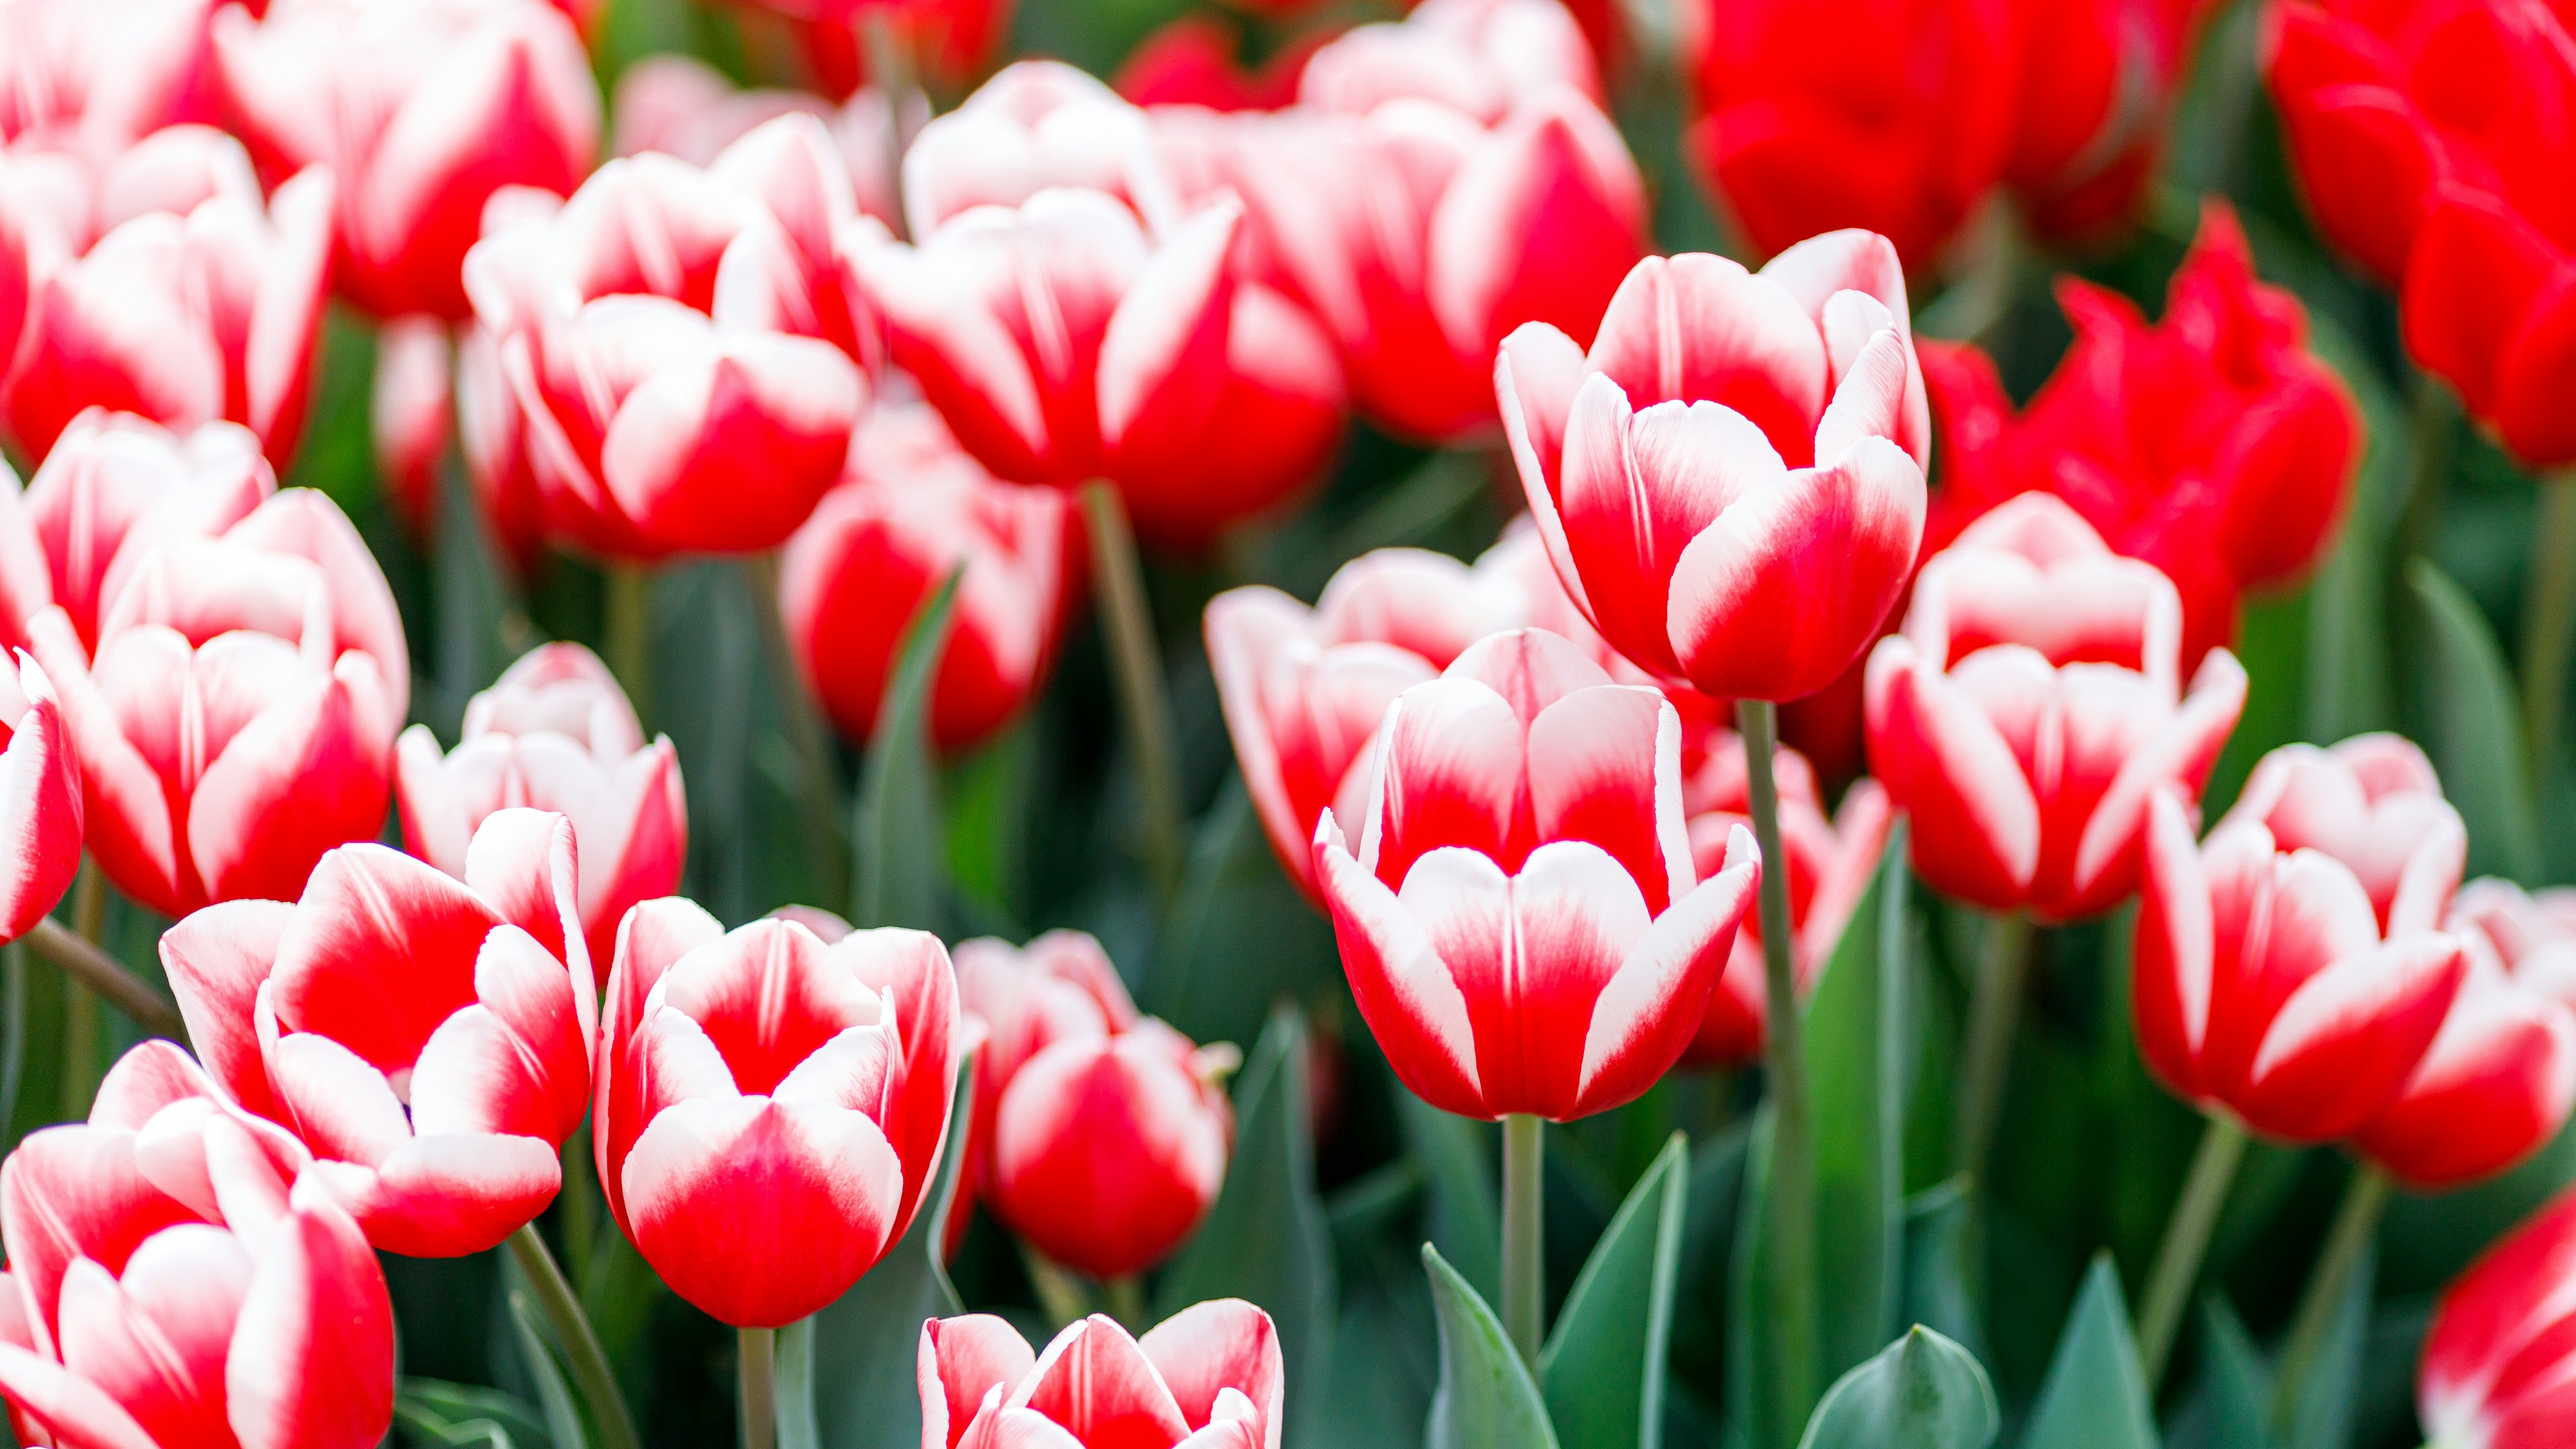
(1604, 1367)
(1486, 1399)
(2472, 730)
(1920, 1392)
(1857, 1025)
(2095, 1396)
(899, 880)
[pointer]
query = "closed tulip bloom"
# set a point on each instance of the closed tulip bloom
(2499, 1365)
(427, 1039)
(554, 732)
(2098, 79)
(2531, 933)
(2372, 802)
(206, 310)
(682, 106)
(1523, 924)
(1830, 860)
(912, 509)
(2495, 1087)
(1210, 1376)
(97, 78)
(1731, 480)
(2264, 985)
(238, 719)
(770, 1107)
(40, 799)
(2431, 143)
(2030, 707)
(422, 108)
(175, 1285)
(415, 391)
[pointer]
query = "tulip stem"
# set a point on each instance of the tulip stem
(2178, 1259)
(1137, 661)
(1790, 1219)
(592, 1377)
(2356, 1227)
(1524, 1264)
(80, 1003)
(626, 633)
(93, 969)
(798, 715)
(758, 1363)
(1126, 1295)
(1986, 1060)
(2549, 622)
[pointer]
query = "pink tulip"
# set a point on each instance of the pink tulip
(2265, 985)
(238, 719)
(1524, 925)
(423, 108)
(428, 1039)
(1210, 1376)
(769, 1107)
(174, 1285)
(2499, 1366)
(684, 107)
(2032, 704)
(97, 78)
(414, 397)
(554, 732)
(2373, 803)
(1731, 480)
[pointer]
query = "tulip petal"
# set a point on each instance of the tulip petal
(313, 1354)
(381, 950)
(961, 1362)
(1211, 1347)
(2348, 1038)
(1406, 993)
(1605, 767)
(1648, 1012)
(76, 1411)
(1450, 762)
(1700, 328)
(2496, 1085)
(340, 1105)
(446, 1196)
(156, 1340)
(1098, 1385)
(1976, 817)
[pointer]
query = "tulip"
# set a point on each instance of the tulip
(1829, 860)
(912, 509)
(1036, 124)
(2532, 935)
(1210, 1376)
(668, 336)
(178, 1285)
(1731, 480)
(2097, 81)
(950, 41)
(96, 79)
(414, 397)
(2212, 444)
(682, 106)
(554, 732)
(2499, 1366)
(40, 799)
(207, 311)
(2373, 803)
(238, 718)
(1081, 1102)
(1523, 924)
(769, 1107)
(1062, 342)
(2032, 705)
(1477, 57)
(428, 1039)
(492, 438)
(422, 108)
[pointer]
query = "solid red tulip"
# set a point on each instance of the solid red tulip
(554, 732)
(912, 509)
(96, 79)
(1731, 480)
(175, 1285)
(1210, 1376)
(2033, 702)
(2373, 803)
(2098, 78)
(1099, 1136)
(415, 393)
(428, 1039)
(2212, 444)
(2432, 146)
(170, 290)
(422, 108)
(2499, 1365)
(770, 1107)
(684, 107)
(1830, 861)
(238, 718)
(2265, 986)
(40, 799)
(1523, 924)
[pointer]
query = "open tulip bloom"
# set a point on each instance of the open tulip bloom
(1209, 1377)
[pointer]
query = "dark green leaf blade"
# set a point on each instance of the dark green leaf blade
(899, 875)
(1921, 1392)
(2320, 1408)
(1604, 1367)
(1937, 1264)
(1465, 1214)
(2237, 1383)
(2095, 1395)
(1485, 1399)
(1856, 1033)
(2473, 730)
(1239, 937)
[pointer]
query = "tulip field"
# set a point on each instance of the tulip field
(1288, 724)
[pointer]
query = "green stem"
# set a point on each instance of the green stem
(626, 632)
(89, 967)
(1524, 1262)
(2356, 1227)
(1791, 1222)
(2549, 620)
(2178, 1259)
(1137, 660)
(1126, 1294)
(758, 1365)
(1060, 1297)
(1986, 1060)
(591, 1374)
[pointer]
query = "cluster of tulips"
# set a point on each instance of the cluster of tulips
(1799, 608)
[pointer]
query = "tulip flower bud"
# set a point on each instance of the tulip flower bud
(2032, 704)
(911, 509)
(554, 732)
(769, 1107)
(174, 1283)
(2373, 803)
(1523, 924)
(2499, 1365)
(1210, 1375)
(428, 1039)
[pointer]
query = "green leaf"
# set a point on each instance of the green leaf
(1856, 1035)
(1605, 1363)
(2095, 1395)
(563, 1419)
(1921, 1392)
(1465, 1214)
(1265, 1240)
(896, 830)
(466, 1416)
(1937, 1273)
(2473, 731)
(865, 1394)
(1240, 937)
(1748, 1407)
(1485, 1399)
(2236, 1384)
(2321, 1409)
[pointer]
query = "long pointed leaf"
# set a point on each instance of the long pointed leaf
(900, 876)
(1920, 1392)
(2472, 729)
(1606, 1361)
(1856, 1032)
(2095, 1396)
(1486, 1399)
